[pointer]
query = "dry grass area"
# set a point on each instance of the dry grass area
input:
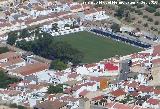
(138, 21)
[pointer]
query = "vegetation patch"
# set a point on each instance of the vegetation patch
(5, 80)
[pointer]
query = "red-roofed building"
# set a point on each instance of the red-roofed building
(29, 69)
(119, 94)
(110, 67)
(156, 50)
(156, 91)
(145, 89)
(97, 98)
(83, 93)
(153, 103)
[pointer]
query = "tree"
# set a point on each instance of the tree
(140, 5)
(12, 37)
(145, 25)
(3, 49)
(115, 27)
(55, 89)
(55, 27)
(150, 9)
(128, 16)
(21, 107)
(156, 22)
(58, 65)
(157, 13)
(145, 16)
(24, 33)
(5, 80)
(119, 12)
(150, 19)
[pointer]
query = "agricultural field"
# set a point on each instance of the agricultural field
(97, 48)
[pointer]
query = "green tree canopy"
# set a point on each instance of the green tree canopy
(3, 50)
(115, 27)
(11, 38)
(58, 65)
(5, 80)
(55, 89)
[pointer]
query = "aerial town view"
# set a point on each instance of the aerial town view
(79, 54)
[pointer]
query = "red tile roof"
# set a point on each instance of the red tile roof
(118, 92)
(110, 67)
(156, 50)
(90, 11)
(31, 68)
(134, 84)
(156, 61)
(153, 101)
(134, 94)
(83, 93)
(143, 88)
(157, 91)
(74, 7)
(90, 65)
(73, 75)
(8, 55)
(52, 104)
(98, 98)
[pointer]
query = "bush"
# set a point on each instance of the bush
(150, 19)
(156, 22)
(3, 50)
(13, 105)
(133, 18)
(55, 89)
(139, 21)
(12, 37)
(21, 107)
(154, 29)
(132, 9)
(140, 12)
(140, 5)
(145, 25)
(150, 9)
(5, 80)
(115, 27)
(58, 65)
(136, 11)
(157, 13)
(145, 16)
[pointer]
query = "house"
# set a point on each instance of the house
(153, 103)
(145, 90)
(94, 14)
(29, 69)
(79, 7)
(51, 105)
(117, 94)
(73, 76)
(38, 11)
(77, 89)
(131, 87)
(10, 59)
(72, 101)
(116, 105)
